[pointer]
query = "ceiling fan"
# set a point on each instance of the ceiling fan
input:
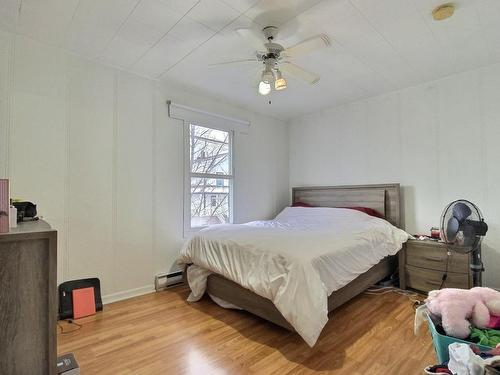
(275, 57)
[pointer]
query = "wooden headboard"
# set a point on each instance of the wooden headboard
(384, 198)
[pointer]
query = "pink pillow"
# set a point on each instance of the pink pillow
(301, 204)
(366, 210)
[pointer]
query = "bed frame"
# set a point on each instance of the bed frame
(384, 198)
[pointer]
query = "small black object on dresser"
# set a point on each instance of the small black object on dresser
(25, 211)
(423, 263)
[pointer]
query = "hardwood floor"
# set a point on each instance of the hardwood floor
(161, 333)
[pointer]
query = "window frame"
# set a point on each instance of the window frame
(188, 229)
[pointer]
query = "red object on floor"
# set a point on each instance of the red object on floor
(83, 302)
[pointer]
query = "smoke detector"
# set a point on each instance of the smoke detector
(443, 12)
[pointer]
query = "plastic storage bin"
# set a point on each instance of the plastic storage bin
(441, 342)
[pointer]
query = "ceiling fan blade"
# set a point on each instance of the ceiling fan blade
(253, 37)
(306, 46)
(299, 73)
(233, 62)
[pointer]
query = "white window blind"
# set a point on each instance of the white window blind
(199, 116)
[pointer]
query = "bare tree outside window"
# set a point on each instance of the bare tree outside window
(210, 175)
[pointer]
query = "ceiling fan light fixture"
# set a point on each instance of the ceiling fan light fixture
(266, 81)
(267, 76)
(264, 88)
(279, 82)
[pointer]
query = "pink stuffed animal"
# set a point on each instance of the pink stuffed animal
(456, 306)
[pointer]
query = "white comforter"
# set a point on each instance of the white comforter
(296, 260)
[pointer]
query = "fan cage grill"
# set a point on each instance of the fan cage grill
(456, 242)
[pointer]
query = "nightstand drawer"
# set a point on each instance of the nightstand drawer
(434, 258)
(425, 280)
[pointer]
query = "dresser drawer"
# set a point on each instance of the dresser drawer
(425, 280)
(434, 258)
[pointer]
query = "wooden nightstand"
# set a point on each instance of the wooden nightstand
(423, 263)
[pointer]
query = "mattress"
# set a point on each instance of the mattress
(296, 260)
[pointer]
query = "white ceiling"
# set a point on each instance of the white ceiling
(377, 45)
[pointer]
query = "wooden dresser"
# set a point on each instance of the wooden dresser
(28, 300)
(423, 263)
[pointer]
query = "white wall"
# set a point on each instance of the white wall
(95, 149)
(439, 140)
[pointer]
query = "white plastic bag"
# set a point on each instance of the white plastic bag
(420, 317)
(463, 361)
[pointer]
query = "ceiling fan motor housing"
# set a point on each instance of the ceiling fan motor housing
(274, 48)
(270, 32)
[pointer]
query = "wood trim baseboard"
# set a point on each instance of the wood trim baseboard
(119, 296)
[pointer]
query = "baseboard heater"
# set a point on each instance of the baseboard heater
(166, 280)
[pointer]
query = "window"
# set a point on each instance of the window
(209, 176)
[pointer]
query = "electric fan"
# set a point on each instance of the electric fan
(273, 59)
(463, 228)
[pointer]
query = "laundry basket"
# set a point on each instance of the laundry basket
(441, 342)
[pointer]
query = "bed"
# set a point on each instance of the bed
(230, 291)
